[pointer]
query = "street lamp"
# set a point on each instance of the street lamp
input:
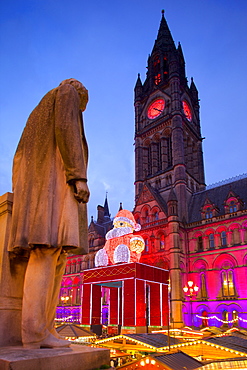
(64, 299)
(191, 290)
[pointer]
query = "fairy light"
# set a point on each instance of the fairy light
(177, 346)
(64, 318)
(223, 321)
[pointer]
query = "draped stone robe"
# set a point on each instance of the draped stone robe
(51, 155)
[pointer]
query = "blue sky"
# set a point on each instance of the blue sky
(105, 44)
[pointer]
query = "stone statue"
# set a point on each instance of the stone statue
(49, 209)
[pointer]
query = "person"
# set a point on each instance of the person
(49, 216)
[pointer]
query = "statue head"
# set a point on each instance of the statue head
(82, 91)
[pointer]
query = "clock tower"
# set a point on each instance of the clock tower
(168, 142)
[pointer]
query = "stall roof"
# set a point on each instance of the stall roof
(230, 341)
(179, 360)
(154, 339)
(72, 330)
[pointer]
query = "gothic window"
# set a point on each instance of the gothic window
(156, 68)
(232, 203)
(203, 286)
(156, 215)
(211, 241)
(169, 151)
(209, 213)
(205, 319)
(91, 241)
(159, 161)
(73, 267)
(146, 216)
(67, 271)
(78, 296)
(199, 244)
(146, 245)
(235, 317)
(235, 237)
(157, 78)
(165, 66)
(223, 239)
(225, 316)
(149, 161)
(161, 241)
(232, 207)
(228, 288)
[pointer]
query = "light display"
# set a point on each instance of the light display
(101, 258)
(121, 245)
(121, 254)
(187, 110)
(223, 321)
(156, 108)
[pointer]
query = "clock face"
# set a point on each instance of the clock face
(187, 110)
(156, 108)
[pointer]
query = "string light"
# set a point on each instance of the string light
(224, 321)
(64, 318)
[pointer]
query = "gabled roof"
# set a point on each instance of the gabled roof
(230, 341)
(148, 194)
(179, 360)
(153, 339)
(72, 330)
(217, 196)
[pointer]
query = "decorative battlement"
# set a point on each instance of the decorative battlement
(227, 181)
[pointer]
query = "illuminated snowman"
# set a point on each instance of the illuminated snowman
(121, 244)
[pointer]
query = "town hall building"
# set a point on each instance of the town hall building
(198, 233)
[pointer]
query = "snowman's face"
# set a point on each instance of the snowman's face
(121, 223)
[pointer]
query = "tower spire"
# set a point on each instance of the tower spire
(106, 207)
(164, 39)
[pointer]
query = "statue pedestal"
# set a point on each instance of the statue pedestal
(76, 357)
(12, 273)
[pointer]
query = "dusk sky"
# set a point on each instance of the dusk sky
(105, 44)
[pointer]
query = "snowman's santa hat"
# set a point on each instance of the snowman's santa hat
(127, 216)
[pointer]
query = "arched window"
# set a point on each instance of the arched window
(91, 241)
(225, 317)
(232, 207)
(211, 241)
(223, 239)
(78, 296)
(146, 245)
(73, 267)
(156, 69)
(199, 244)
(159, 160)
(235, 237)
(228, 288)
(67, 270)
(203, 286)
(149, 160)
(205, 319)
(235, 317)
(162, 241)
(156, 215)
(146, 216)
(208, 213)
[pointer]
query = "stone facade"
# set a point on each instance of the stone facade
(199, 233)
